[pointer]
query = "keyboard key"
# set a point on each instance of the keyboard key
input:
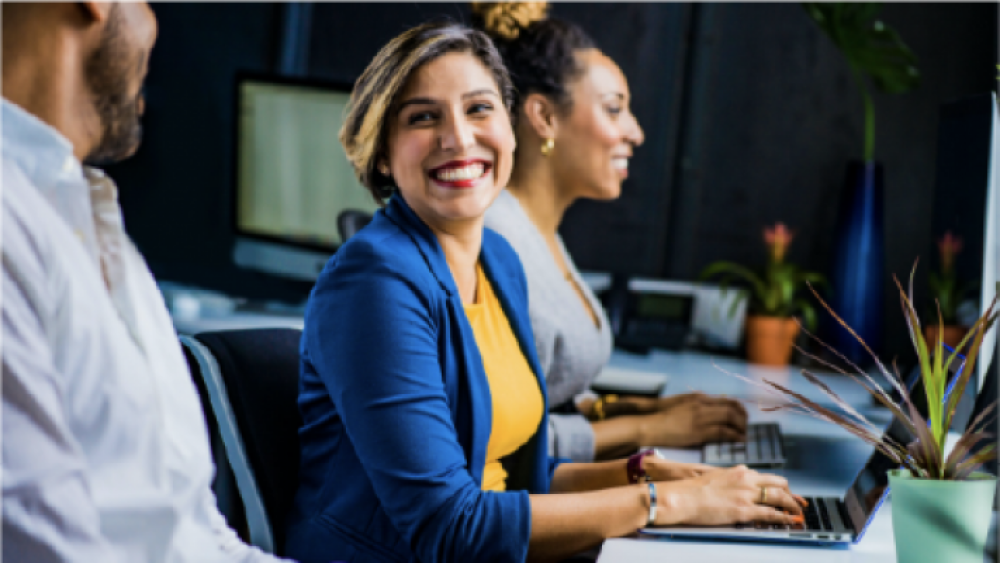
(824, 516)
(753, 448)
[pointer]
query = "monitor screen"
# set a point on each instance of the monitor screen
(293, 178)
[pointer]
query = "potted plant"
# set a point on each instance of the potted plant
(941, 507)
(876, 56)
(947, 294)
(771, 327)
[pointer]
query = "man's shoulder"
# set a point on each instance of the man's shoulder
(25, 214)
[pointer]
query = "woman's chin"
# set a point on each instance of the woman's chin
(609, 192)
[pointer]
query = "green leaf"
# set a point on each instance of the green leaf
(738, 271)
(872, 49)
(808, 313)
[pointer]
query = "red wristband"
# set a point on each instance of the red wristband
(636, 472)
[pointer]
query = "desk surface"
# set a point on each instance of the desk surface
(823, 460)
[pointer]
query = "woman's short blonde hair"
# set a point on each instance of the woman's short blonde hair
(374, 99)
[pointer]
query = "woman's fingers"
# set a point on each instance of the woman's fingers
(770, 515)
(721, 433)
(725, 402)
(722, 414)
(769, 480)
(779, 498)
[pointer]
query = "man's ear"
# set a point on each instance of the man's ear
(98, 11)
(540, 114)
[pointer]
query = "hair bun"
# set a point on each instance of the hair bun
(506, 19)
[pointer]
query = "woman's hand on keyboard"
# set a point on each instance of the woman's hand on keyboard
(693, 422)
(728, 496)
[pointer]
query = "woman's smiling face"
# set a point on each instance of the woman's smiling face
(450, 145)
(596, 139)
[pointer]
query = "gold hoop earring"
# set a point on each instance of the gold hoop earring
(547, 146)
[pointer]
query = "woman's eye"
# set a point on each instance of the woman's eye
(614, 110)
(480, 108)
(420, 117)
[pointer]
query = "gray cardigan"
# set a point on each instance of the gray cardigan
(571, 349)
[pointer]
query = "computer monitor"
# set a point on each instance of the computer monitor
(966, 199)
(292, 178)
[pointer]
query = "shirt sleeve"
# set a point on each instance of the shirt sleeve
(571, 436)
(49, 514)
(374, 342)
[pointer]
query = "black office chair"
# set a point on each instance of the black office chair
(252, 380)
(350, 221)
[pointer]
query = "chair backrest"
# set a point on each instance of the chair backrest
(252, 377)
(350, 221)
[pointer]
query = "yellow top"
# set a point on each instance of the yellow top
(517, 400)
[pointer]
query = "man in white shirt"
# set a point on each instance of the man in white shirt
(105, 449)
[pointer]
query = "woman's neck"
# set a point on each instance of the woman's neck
(540, 196)
(462, 244)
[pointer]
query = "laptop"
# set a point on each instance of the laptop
(829, 521)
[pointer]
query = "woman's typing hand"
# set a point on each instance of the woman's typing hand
(728, 496)
(692, 420)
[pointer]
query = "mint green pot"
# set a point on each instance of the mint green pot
(940, 521)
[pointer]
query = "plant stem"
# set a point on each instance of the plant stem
(869, 153)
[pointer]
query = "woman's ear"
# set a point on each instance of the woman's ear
(540, 115)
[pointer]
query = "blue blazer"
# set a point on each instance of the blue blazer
(396, 407)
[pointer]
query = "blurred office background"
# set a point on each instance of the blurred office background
(749, 110)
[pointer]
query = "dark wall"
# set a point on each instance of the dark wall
(774, 115)
(749, 111)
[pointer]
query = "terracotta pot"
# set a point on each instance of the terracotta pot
(770, 339)
(953, 334)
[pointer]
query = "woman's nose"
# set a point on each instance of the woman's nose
(634, 133)
(456, 134)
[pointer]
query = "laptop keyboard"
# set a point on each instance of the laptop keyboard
(763, 447)
(817, 515)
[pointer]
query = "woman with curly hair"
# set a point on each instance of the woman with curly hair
(575, 136)
(423, 404)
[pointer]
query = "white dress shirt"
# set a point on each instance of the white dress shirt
(105, 448)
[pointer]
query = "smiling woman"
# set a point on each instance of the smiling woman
(424, 426)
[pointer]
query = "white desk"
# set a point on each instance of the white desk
(823, 460)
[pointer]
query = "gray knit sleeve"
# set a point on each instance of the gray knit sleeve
(571, 436)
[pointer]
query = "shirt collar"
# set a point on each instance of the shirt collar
(43, 153)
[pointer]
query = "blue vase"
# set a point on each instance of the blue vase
(859, 263)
